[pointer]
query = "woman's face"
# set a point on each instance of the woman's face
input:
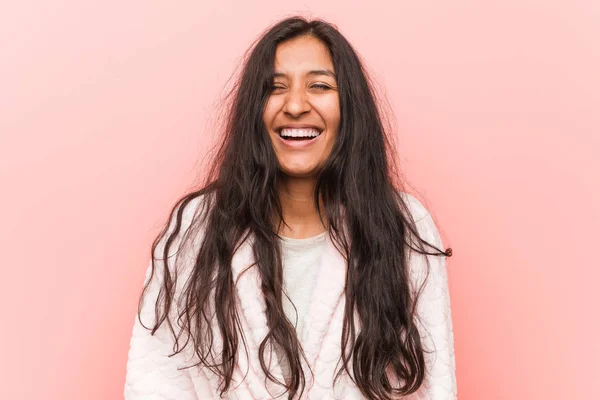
(303, 103)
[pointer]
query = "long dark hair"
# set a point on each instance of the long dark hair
(364, 211)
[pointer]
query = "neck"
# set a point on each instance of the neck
(299, 211)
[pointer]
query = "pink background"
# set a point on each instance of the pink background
(106, 111)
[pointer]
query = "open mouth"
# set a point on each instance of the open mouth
(299, 134)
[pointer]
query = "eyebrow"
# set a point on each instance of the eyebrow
(313, 72)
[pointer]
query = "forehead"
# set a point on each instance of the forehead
(302, 54)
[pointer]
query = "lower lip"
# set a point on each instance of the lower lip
(298, 144)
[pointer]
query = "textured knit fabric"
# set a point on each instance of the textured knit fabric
(301, 261)
(153, 375)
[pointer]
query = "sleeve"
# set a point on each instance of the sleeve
(435, 318)
(151, 373)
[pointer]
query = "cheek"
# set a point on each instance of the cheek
(333, 122)
(330, 111)
(269, 112)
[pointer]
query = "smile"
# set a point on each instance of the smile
(299, 133)
(299, 137)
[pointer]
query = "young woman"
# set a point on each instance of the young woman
(300, 269)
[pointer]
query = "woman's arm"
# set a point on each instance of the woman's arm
(151, 373)
(433, 308)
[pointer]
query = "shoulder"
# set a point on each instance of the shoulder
(184, 216)
(190, 206)
(415, 207)
(424, 221)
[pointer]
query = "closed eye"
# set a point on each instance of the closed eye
(321, 86)
(318, 86)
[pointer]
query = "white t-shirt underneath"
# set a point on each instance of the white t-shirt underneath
(301, 259)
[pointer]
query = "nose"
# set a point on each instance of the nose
(296, 102)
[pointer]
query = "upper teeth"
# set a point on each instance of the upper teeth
(303, 132)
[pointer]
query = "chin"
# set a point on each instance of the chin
(298, 173)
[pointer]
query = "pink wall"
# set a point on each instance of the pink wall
(104, 119)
